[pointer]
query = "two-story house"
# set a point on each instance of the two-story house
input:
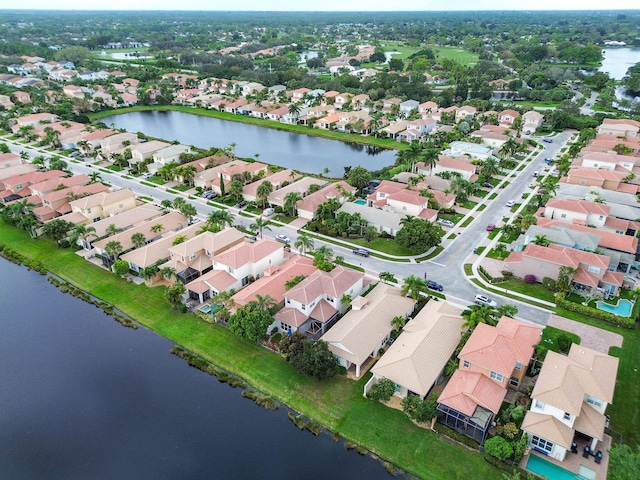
(531, 121)
(58, 202)
(235, 268)
(146, 150)
(569, 401)
(104, 204)
(308, 205)
(620, 127)
(493, 359)
(448, 164)
(508, 117)
(364, 330)
(584, 212)
(314, 304)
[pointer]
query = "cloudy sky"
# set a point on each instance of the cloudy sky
(326, 5)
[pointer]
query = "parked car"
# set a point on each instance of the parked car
(484, 300)
(434, 285)
(511, 203)
(74, 154)
(267, 212)
(548, 161)
(147, 175)
(251, 238)
(195, 220)
(535, 174)
(487, 185)
(363, 252)
(547, 140)
(241, 204)
(446, 223)
(491, 227)
(281, 237)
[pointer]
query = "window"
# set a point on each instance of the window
(593, 269)
(596, 402)
(245, 281)
(543, 266)
(329, 299)
(304, 307)
(496, 376)
(541, 443)
(539, 405)
(563, 215)
(465, 364)
(404, 207)
(514, 381)
(208, 252)
(518, 366)
(288, 301)
(231, 270)
(192, 256)
(382, 195)
(284, 327)
(600, 217)
(566, 416)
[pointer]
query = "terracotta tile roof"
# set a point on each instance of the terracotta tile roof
(564, 381)
(291, 316)
(334, 283)
(311, 202)
(586, 278)
(245, 253)
(323, 311)
(170, 221)
(218, 280)
(54, 183)
(499, 348)
(595, 174)
(466, 390)
(590, 422)
(578, 206)
(613, 278)
(103, 198)
(420, 353)
(549, 428)
(566, 256)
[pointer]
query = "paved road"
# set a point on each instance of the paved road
(447, 268)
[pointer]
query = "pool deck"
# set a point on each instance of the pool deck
(572, 461)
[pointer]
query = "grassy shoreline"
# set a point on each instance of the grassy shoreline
(385, 143)
(337, 404)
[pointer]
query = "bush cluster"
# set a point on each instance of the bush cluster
(625, 322)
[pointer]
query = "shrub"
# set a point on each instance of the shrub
(529, 279)
(564, 342)
(549, 284)
(594, 312)
(382, 390)
(508, 431)
(450, 368)
(418, 409)
(499, 448)
(454, 435)
(517, 414)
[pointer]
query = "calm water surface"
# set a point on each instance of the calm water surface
(617, 61)
(83, 397)
(291, 150)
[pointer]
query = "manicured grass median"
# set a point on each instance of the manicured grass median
(336, 403)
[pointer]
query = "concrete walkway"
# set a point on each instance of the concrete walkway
(590, 337)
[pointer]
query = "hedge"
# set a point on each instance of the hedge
(625, 322)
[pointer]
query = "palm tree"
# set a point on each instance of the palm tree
(304, 243)
(413, 286)
(294, 110)
(387, 277)
(263, 191)
(174, 294)
(95, 177)
(324, 253)
(113, 249)
(112, 230)
(138, 239)
(168, 273)
(430, 159)
(291, 200)
(266, 302)
(501, 248)
(260, 224)
(83, 233)
(149, 272)
(541, 240)
(398, 322)
(490, 168)
(221, 218)
(157, 228)
(508, 148)
(411, 155)
(478, 314)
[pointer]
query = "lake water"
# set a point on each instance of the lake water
(617, 61)
(83, 397)
(290, 150)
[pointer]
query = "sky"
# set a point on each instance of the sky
(327, 5)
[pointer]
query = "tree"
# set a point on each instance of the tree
(624, 463)
(499, 448)
(315, 360)
(235, 188)
(382, 390)
(250, 323)
(506, 310)
(500, 248)
(291, 200)
(260, 225)
(369, 233)
(120, 267)
(419, 410)
(541, 240)
(168, 273)
(430, 159)
(398, 322)
(490, 168)
(56, 229)
(111, 230)
(95, 177)
(113, 249)
(149, 272)
(413, 286)
(221, 218)
(418, 235)
(188, 210)
(83, 233)
(266, 302)
(565, 277)
(157, 228)
(411, 155)
(263, 191)
(138, 239)
(174, 294)
(508, 149)
(359, 177)
(387, 277)
(291, 345)
(478, 314)
(304, 243)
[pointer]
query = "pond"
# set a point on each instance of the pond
(617, 61)
(83, 397)
(276, 147)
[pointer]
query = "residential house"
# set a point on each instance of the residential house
(122, 221)
(236, 268)
(583, 212)
(22, 97)
(492, 359)
(448, 164)
(381, 219)
(395, 197)
(508, 117)
(363, 331)
(168, 155)
(277, 180)
(468, 149)
(301, 186)
(115, 142)
(33, 120)
(466, 113)
(18, 185)
(596, 177)
(569, 401)
(531, 121)
(308, 205)
(9, 160)
(58, 202)
(144, 151)
(315, 303)
(408, 107)
(593, 272)
(427, 108)
(16, 170)
(342, 100)
(416, 359)
(619, 127)
(6, 103)
(105, 204)
(490, 138)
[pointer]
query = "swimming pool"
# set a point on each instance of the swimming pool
(622, 308)
(360, 202)
(550, 470)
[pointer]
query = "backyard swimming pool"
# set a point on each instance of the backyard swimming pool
(360, 202)
(553, 472)
(622, 308)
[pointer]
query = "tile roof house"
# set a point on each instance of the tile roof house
(249, 191)
(236, 267)
(364, 330)
(619, 127)
(9, 160)
(57, 202)
(570, 397)
(122, 221)
(584, 212)
(382, 220)
(531, 121)
(448, 164)
(395, 197)
(308, 205)
(19, 184)
(105, 204)
(143, 151)
(314, 304)
(492, 359)
(416, 359)
(300, 186)
(592, 270)
(507, 117)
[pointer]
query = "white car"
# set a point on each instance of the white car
(511, 203)
(281, 237)
(446, 223)
(484, 300)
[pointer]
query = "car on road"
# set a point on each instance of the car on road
(433, 285)
(241, 204)
(511, 203)
(267, 212)
(446, 223)
(363, 252)
(547, 140)
(548, 161)
(484, 300)
(147, 175)
(281, 237)
(491, 227)
(535, 174)
(195, 220)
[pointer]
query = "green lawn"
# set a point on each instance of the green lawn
(456, 54)
(337, 403)
(384, 245)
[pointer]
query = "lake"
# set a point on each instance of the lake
(276, 147)
(83, 397)
(617, 61)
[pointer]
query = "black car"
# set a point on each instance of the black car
(434, 285)
(547, 140)
(363, 252)
(241, 204)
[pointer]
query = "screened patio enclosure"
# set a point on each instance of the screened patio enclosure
(474, 427)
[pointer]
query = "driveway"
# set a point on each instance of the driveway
(590, 337)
